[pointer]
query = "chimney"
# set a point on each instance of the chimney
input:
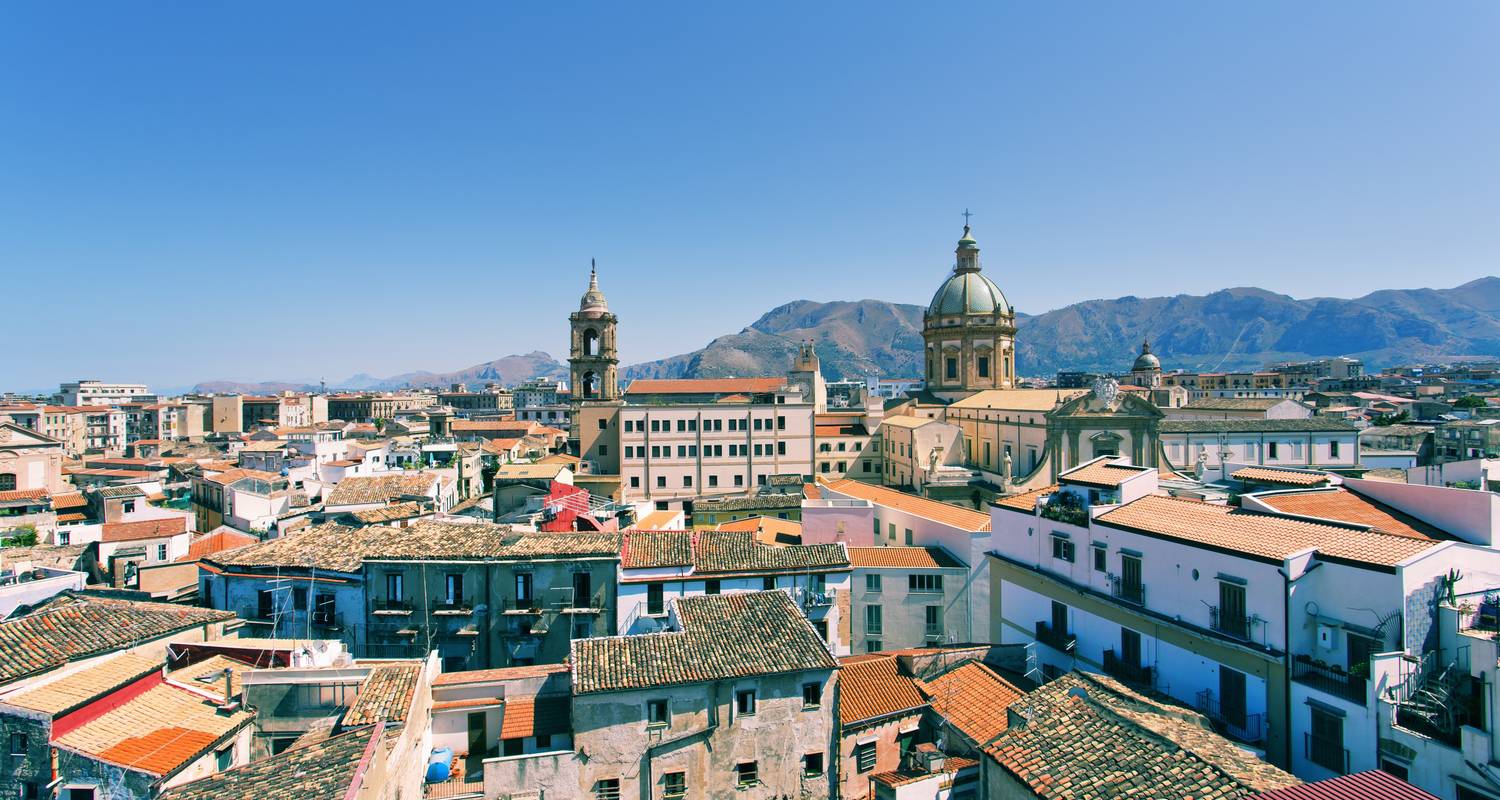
(228, 685)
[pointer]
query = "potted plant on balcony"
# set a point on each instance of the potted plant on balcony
(1066, 507)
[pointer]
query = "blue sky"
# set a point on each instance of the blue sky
(205, 190)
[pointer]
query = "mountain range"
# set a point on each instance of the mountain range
(1238, 328)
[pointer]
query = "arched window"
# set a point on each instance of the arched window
(590, 342)
(590, 385)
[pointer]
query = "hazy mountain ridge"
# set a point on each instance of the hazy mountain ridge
(1239, 328)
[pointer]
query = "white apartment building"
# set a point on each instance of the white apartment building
(671, 454)
(98, 393)
(1265, 617)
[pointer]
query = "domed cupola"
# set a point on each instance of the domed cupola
(967, 291)
(593, 300)
(1147, 359)
(968, 330)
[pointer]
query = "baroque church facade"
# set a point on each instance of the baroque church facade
(1013, 438)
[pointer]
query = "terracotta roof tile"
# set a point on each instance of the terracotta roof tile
(501, 674)
(360, 489)
(74, 626)
(718, 552)
(972, 698)
(1267, 536)
(724, 636)
(322, 770)
(14, 495)
(143, 529)
(1372, 785)
(954, 516)
(704, 385)
(767, 530)
(1026, 501)
(1105, 474)
(1289, 477)
(1345, 505)
(872, 687)
(158, 732)
(64, 694)
(218, 541)
(535, 716)
(1089, 736)
(385, 695)
(902, 558)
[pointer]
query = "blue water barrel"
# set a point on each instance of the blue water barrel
(439, 765)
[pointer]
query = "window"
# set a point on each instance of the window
(908, 537)
(820, 627)
(543, 741)
(747, 773)
(674, 784)
(1062, 548)
(781, 423)
(767, 583)
(265, 604)
(603, 449)
(655, 603)
(583, 590)
(891, 530)
(31, 790)
(661, 481)
(453, 588)
(924, 583)
(63, 537)
(583, 628)
(1232, 696)
(812, 765)
(812, 695)
(872, 582)
(603, 423)
(607, 789)
(18, 744)
(982, 364)
(635, 481)
(781, 448)
(687, 481)
(744, 701)
(1325, 742)
(525, 584)
(394, 585)
(739, 480)
(713, 481)
(1271, 450)
(1230, 614)
(711, 587)
(299, 598)
(1101, 557)
(950, 368)
(1333, 449)
(874, 623)
(933, 620)
(128, 506)
(657, 714)
(224, 759)
(873, 645)
(1397, 769)
(864, 756)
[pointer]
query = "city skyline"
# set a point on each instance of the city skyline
(399, 175)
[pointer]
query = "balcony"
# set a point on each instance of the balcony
(1326, 752)
(1233, 625)
(328, 620)
(1057, 640)
(523, 605)
(1329, 678)
(389, 607)
(1234, 723)
(1127, 672)
(452, 607)
(934, 633)
(1134, 593)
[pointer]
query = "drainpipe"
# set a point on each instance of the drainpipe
(1286, 646)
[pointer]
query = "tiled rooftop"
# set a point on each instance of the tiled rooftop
(380, 488)
(704, 385)
(385, 695)
(1018, 399)
(1026, 501)
(1372, 785)
(501, 674)
(1345, 505)
(902, 558)
(158, 732)
(1089, 736)
(59, 696)
(1106, 474)
(972, 698)
(143, 529)
(1309, 425)
(716, 505)
(218, 541)
(711, 552)
(1268, 537)
(872, 687)
(208, 675)
(535, 716)
(767, 530)
(73, 626)
(390, 513)
(321, 770)
(1288, 477)
(724, 636)
(945, 513)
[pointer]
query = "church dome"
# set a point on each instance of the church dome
(593, 299)
(1146, 360)
(967, 291)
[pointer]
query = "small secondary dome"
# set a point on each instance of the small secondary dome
(593, 299)
(967, 292)
(1146, 360)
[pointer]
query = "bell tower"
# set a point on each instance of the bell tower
(592, 358)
